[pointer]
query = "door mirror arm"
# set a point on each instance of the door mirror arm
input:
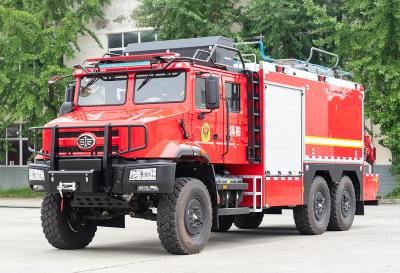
(202, 115)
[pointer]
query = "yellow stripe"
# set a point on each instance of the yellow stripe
(337, 142)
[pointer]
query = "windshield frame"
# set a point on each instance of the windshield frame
(159, 72)
(103, 105)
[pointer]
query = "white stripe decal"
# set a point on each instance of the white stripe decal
(333, 159)
(338, 142)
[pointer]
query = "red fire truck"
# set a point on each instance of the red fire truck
(197, 136)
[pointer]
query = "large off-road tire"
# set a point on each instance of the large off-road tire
(343, 205)
(225, 223)
(184, 217)
(64, 230)
(313, 217)
(249, 221)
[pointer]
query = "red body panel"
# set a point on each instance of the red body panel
(371, 186)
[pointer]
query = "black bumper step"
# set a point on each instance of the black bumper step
(232, 186)
(233, 211)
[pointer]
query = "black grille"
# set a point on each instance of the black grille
(98, 149)
(77, 134)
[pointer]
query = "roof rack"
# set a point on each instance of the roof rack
(213, 51)
(304, 65)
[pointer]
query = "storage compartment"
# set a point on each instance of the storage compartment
(283, 120)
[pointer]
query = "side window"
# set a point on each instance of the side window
(232, 94)
(200, 93)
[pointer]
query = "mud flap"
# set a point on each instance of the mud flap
(360, 208)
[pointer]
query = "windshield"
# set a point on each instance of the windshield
(102, 90)
(160, 87)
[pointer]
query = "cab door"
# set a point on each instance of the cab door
(234, 150)
(207, 126)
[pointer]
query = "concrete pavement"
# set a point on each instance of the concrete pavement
(20, 202)
(372, 245)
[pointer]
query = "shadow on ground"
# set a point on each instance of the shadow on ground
(217, 240)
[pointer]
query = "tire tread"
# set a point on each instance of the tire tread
(166, 214)
(54, 226)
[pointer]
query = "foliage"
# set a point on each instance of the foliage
(288, 29)
(368, 37)
(284, 23)
(24, 192)
(176, 19)
(35, 36)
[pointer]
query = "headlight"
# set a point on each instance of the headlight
(143, 174)
(35, 174)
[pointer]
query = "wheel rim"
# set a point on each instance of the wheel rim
(346, 204)
(74, 221)
(320, 206)
(194, 217)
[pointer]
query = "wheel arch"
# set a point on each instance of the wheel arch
(332, 173)
(192, 167)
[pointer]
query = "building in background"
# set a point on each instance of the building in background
(115, 31)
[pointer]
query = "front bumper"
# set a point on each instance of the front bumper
(73, 177)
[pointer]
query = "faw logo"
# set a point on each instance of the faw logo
(86, 141)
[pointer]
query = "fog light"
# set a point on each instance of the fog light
(35, 174)
(148, 174)
(147, 188)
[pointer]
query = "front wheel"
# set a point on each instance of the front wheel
(64, 229)
(184, 217)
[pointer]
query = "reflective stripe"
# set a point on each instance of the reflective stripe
(338, 142)
(317, 159)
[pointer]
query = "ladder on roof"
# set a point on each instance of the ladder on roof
(254, 117)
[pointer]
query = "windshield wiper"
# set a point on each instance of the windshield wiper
(91, 82)
(148, 78)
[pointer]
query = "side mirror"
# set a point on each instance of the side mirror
(51, 82)
(66, 107)
(212, 92)
(70, 91)
(68, 104)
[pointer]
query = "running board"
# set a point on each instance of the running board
(233, 211)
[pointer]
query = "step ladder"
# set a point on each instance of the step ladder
(254, 117)
(257, 195)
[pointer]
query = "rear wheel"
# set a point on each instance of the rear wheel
(249, 221)
(343, 205)
(184, 217)
(225, 223)
(65, 229)
(313, 217)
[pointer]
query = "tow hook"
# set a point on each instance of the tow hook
(65, 186)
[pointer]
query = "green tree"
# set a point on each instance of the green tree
(176, 19)
(284, 23)
(368, 37)
(35, 36)
(288, 29)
